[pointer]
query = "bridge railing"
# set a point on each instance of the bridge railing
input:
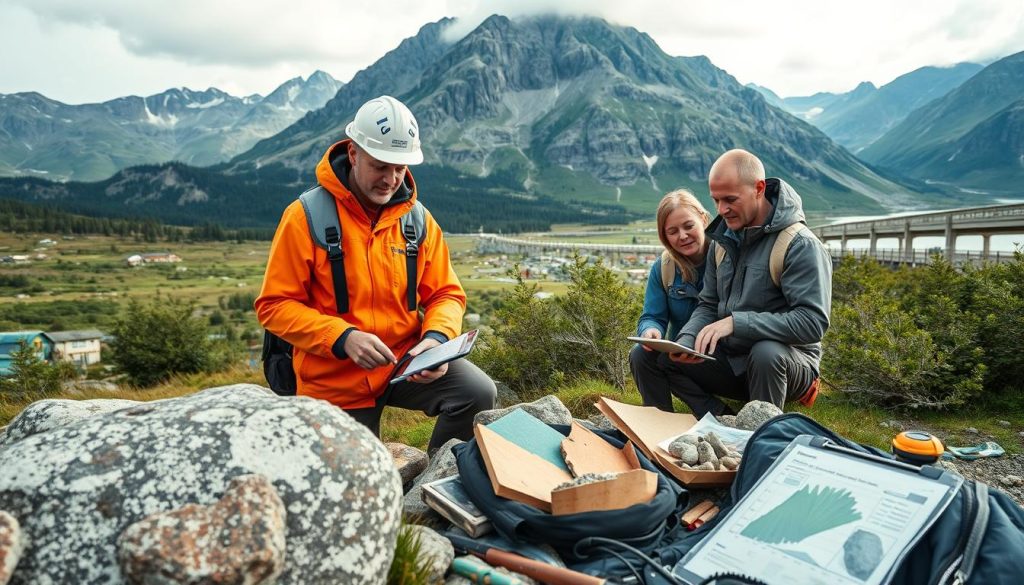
(928, 219)
(921, 257)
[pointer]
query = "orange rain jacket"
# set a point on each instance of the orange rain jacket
(297, 300)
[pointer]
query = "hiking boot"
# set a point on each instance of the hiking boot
(811, 394)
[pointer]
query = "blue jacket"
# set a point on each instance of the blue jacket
(669, 309)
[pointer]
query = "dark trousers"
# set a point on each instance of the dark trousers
(454, 399)
(775, 372)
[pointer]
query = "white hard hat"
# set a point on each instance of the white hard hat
(387, 131)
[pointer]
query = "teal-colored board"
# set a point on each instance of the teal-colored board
(527, 431)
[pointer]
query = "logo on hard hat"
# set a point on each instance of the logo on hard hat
(383, 129)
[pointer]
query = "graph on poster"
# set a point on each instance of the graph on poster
(807, 512)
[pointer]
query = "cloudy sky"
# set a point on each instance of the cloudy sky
(81, 51)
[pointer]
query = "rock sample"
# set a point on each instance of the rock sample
(11, 546)
(239, 539)
(44, 415)
(755, 413)
(95, 478)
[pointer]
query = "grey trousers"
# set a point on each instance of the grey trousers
(454, 399)
(775, 373)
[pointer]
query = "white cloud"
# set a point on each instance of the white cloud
(98, 49)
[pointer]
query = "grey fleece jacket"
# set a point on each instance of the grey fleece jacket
(796, 314)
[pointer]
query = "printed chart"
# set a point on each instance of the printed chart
(819, 517)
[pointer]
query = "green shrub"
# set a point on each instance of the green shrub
(158, 339)
(539, 344)
(878, 355)
(30, 376)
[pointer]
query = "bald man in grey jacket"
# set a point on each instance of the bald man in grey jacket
(766, 338)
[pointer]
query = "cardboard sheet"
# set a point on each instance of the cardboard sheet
(516, 473)
(647, 426)
(585, 452)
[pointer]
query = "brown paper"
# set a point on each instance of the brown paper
(647, 426)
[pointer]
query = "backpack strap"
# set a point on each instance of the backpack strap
(668, 270)
(978, 527)
(325, 229)
(779, 249)
(413, 230)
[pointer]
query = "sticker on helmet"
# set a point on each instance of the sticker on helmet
(383, 129)
(396, 143)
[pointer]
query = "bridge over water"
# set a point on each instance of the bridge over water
(509, 245)
(950, 224)
(974, 221)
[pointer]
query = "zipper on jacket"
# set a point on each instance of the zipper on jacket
(949, 573)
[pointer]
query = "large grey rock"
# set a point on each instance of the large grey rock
(75, 489)
(239, 539)
(12, 544)
(44, 415)
(409, 461)
(442, 465)
(755, 413)
(548, 409)
(436, 552)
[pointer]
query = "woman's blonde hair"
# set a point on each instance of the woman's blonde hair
(669, 203)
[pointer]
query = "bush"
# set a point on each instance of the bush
(932, 336)
(31, 376)
(539, 344)
(881, 354)
(158, 339)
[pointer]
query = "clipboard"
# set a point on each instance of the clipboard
(449, 351)
(823, 513)
(667, 346)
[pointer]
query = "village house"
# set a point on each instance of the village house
(151, 258)
(11, 341)
(81, 347)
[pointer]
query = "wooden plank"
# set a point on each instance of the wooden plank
(627, 489)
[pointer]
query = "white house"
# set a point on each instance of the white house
(79, 347)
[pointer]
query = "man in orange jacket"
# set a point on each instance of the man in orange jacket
(347, 359)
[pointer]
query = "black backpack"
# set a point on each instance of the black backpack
(325, 229)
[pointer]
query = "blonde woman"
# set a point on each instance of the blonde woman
(681, 222)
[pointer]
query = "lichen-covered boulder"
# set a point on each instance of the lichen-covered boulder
(44, 415)
(11, 546)
(240, 539)
(75, 489)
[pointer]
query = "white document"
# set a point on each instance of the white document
(735, 438)
(819, 517)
